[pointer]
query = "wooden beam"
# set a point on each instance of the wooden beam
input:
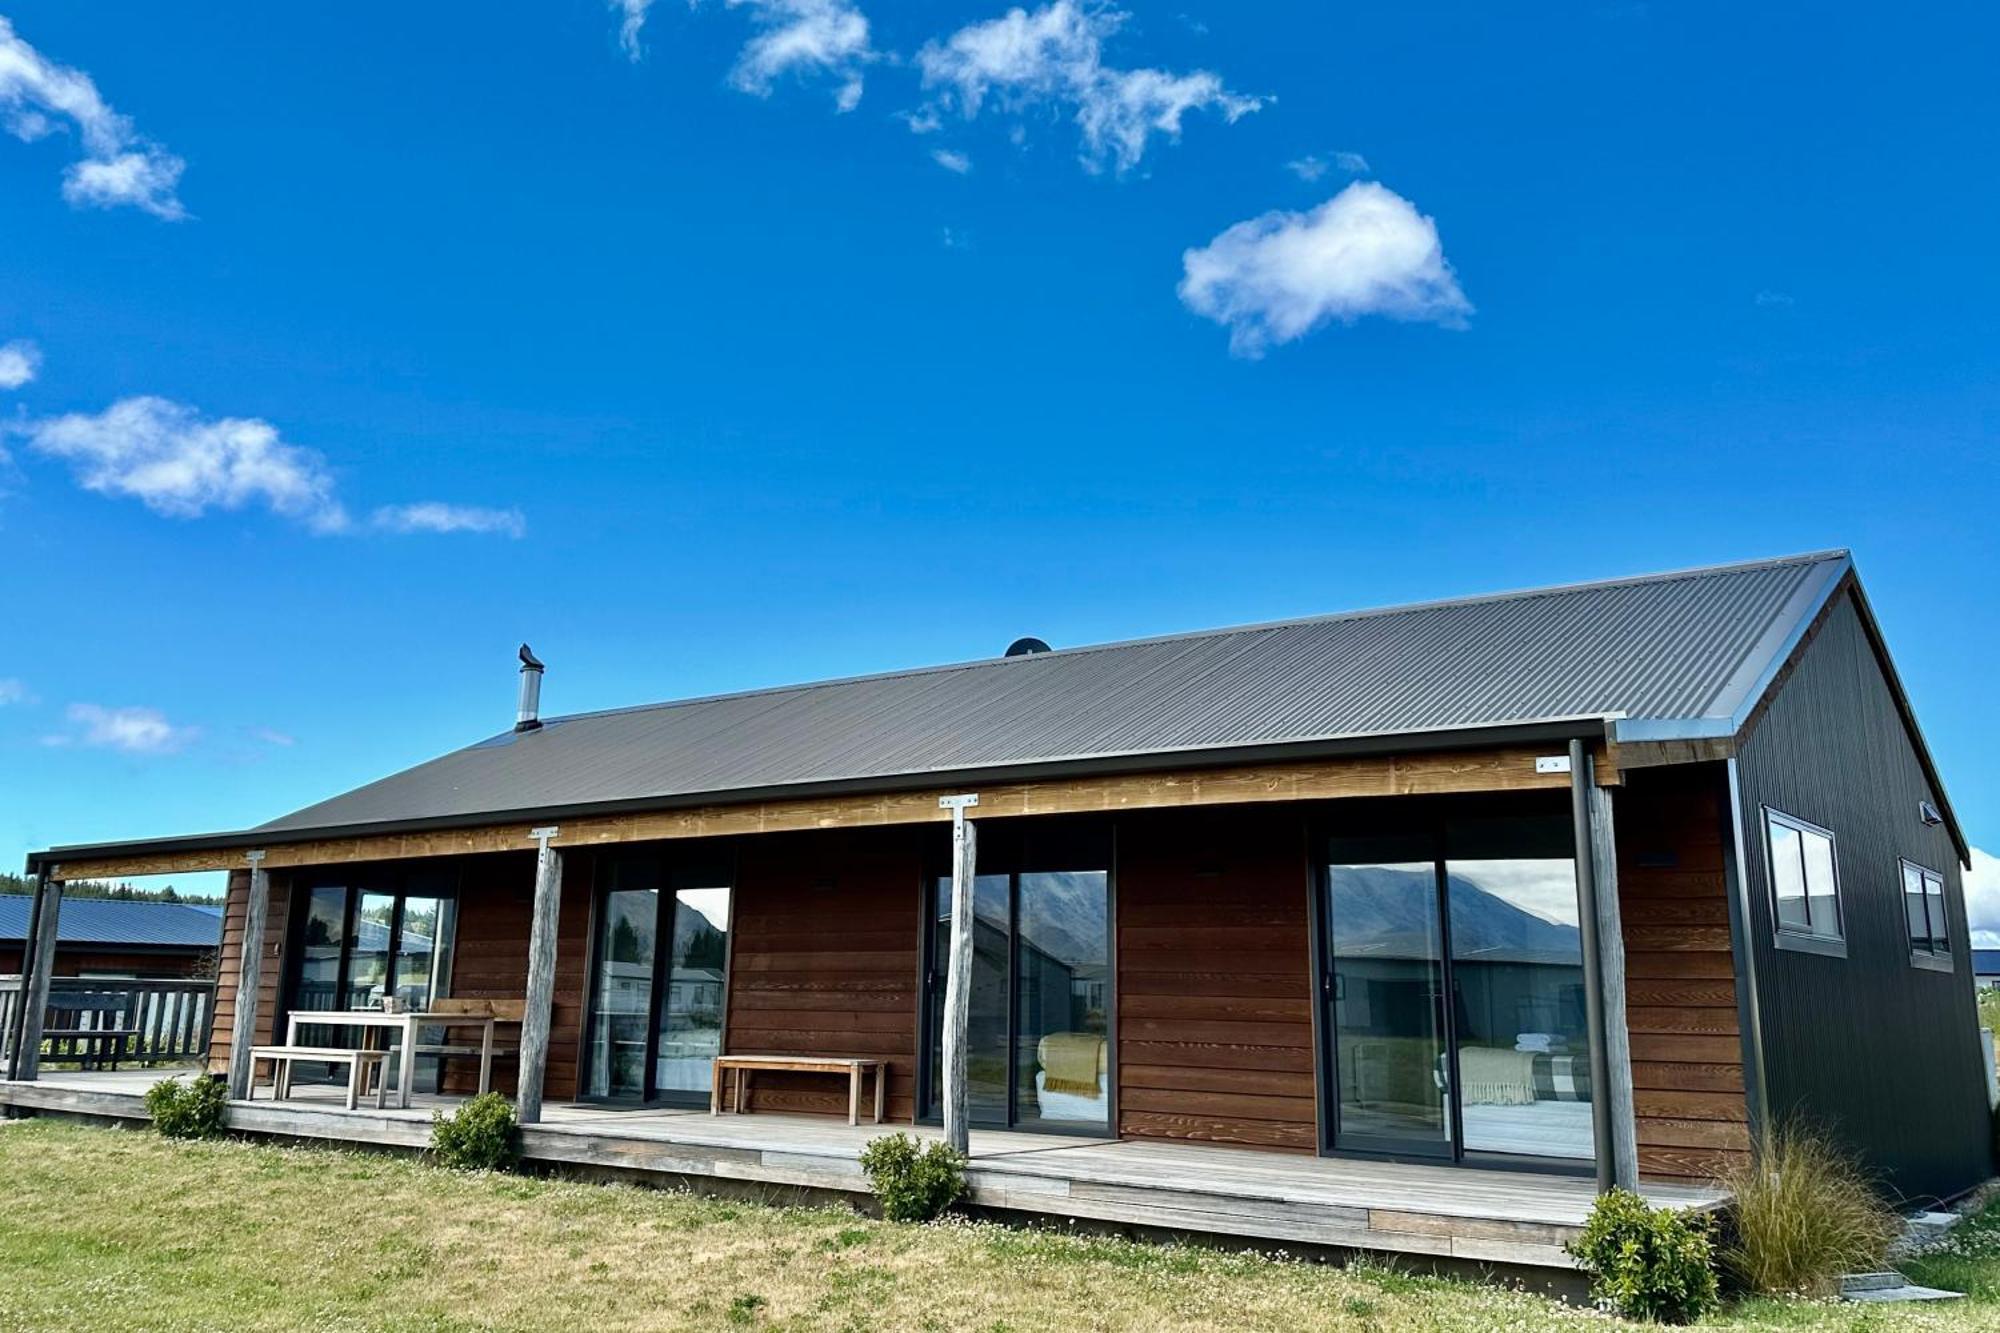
(1617, 1093)
(541, 991)
(1503, 769)
(35, 988)
(249, 978)
(958, 974)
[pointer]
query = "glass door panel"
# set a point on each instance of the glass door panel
(1385, 995)
(368, 964)
(1517, 986)
(986, 1046)
(1063, 957)
(621, 994)
(690, 1026)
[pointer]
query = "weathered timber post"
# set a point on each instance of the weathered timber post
(1603, 1152)
(13, 1052)
(35, 987)
(1618, 1100)
(249, 976)
(541, 977)
(958, 976)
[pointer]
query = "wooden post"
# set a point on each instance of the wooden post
(541, 978)
(20, 1009)
(958, 976)
(1618, 1102)
(249, 976)
(1603, 1151)
(35, 987)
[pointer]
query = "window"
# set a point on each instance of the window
(1923, 904)
(1804, 883)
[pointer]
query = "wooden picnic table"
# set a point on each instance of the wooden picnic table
(855, 1070)
(374, 1021)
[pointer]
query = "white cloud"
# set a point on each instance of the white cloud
(166, 456)
(1352, 163)
(437, 516)
(952, 160)
(20, 360)
(1770, 300)
(1366, 251)
(1982, 896)
(119, 167)
(804, 37)
(1055, 56)
(1312, 166)
(633, 18)
(14, 691)
(133, 730)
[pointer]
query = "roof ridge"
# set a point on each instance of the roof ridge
(1252, 627)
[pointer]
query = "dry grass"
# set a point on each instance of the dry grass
(1805, 1212)
(109, 1229)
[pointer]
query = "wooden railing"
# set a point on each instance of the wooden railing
(96, 1023)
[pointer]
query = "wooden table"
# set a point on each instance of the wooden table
(407, 1024)
(855, 1070)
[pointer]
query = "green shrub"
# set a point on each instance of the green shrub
(1803, 1213)
(478, 1136)
(914, 1183)
(1645, 1262)
(189, 1108)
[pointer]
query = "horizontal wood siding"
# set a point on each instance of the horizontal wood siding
(153, 963)
(1215, 1038)
(495, 909)
(824, 956)
(230, 958)
(1680, 987)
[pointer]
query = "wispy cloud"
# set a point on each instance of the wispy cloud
(272, 736)
(632, 19)
(119, 167)
(1982, 897)
(437, 516)
(1055, 56)
(131, 730)
(1312, 166)
(20, 361)
(1770, 300)
(176, 462)
(13, 690)
(1366, 251)
(951, 160)
(804, 37)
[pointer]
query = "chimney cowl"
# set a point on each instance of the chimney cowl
(528, 716)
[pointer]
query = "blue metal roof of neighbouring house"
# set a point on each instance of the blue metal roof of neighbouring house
(1685, 656)
(1986, 962)
(119, 921)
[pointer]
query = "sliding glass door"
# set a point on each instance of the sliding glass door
(658, 979)
(1452, 979)
(1038, 1051)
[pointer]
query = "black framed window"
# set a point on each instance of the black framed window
(1923, 908)
(1805, 883)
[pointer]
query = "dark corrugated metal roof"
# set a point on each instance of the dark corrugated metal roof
(1695, 647)
(118, 921)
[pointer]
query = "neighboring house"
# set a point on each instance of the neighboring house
(1986, 968)
(1314, 887)
(119, 938)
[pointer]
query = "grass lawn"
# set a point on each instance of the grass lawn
(120, 1229)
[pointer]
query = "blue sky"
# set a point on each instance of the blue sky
(823, 336)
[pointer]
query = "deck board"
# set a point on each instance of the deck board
(1510, 1217)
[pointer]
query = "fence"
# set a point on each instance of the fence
(95, 1023)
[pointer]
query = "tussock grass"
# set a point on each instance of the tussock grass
(1804, 1213)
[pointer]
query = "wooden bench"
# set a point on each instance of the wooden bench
(745, 1065)
(362, 1066)
(500, 1011)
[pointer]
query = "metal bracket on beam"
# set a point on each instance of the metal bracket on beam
(545, 835)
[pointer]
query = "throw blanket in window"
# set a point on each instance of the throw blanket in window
(1496, 1077)
(1071, 1061)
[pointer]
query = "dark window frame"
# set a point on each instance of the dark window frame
(1813, 938)
(1934, 950)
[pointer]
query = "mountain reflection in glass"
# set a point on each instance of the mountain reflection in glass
(1388, 985)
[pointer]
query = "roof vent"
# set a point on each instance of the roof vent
(529, 716)
(1026, 647)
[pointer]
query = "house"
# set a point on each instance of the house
(1986, 968)
(1403, 929)
(123, 939)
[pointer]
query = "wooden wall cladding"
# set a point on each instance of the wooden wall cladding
(1680, 975)
(824, 942)
(1215, 1037)
(229, 960)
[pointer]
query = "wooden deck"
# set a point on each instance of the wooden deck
(1510, 1218)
